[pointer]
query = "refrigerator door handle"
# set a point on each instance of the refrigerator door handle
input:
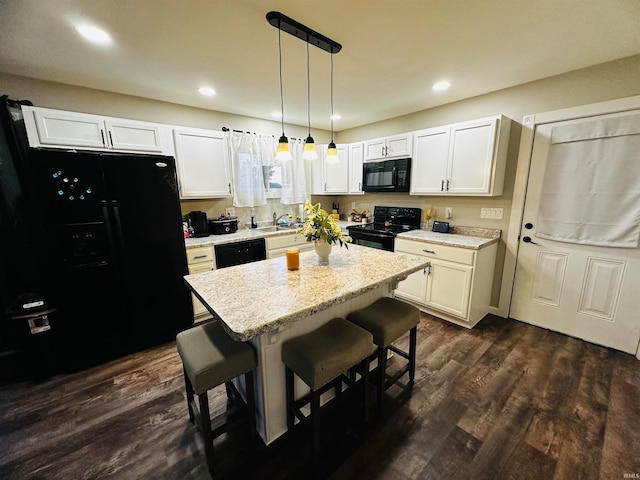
(107, 224)
(118, 225)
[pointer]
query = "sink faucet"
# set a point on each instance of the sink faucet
(276, 217)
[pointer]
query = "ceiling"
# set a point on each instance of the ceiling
(393, 51)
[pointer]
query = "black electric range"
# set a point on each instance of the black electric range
(387, 223)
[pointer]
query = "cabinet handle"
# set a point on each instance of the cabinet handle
(447, 185)
(359, 185)
(199, 256)
(428, 269)
(102, 136)
(429, 251)
(442, 185)
(229, 188)
(110, 138)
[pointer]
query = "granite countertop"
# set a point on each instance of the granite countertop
(245, 234)
(467, 237)
(248, 308)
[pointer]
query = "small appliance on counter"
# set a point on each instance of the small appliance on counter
(442, 227)
(199, 223)
(222, 225)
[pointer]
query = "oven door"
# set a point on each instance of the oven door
(381, 241)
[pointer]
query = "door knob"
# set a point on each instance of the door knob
(528, 240)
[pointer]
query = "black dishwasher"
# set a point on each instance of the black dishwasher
(237, 253)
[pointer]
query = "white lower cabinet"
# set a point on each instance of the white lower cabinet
(278, 245)
(456, 286)
(199, 260)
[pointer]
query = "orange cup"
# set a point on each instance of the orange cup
(293, 259)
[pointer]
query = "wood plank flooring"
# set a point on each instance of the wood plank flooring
(504, 400)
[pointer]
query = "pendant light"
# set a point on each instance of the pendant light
(284, 152)
(332, 151)
(309, 152)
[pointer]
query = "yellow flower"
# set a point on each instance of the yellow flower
(320, 225)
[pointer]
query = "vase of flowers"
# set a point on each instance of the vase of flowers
(322, 229)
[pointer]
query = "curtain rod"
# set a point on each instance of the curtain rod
(226, 129)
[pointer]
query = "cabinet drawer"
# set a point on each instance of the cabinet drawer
(199, 255)
(441, 252)
(282, 241)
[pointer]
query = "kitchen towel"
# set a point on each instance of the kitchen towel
(592, 173)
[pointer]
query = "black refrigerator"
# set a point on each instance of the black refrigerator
(95, 236)
(117, 255)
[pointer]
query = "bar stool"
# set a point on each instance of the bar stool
(388, 319)
(320, 358)
(210, 357)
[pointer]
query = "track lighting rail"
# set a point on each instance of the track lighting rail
(304, 33)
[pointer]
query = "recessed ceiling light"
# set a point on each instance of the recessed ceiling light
(336, 116)
(207, 91)
(440, 86)
(94, 34)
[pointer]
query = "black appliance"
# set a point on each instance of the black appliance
(198, 221)
(223, 225)
(386, 175)
(387, 223)
(237, 253)
(117, 255)
(442, 227)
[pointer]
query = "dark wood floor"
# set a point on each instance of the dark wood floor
(504, 400)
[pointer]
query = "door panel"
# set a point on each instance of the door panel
(586, 291)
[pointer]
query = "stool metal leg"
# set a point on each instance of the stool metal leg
(251, 403)
(205, 427)
(290, 400)
(315, 420)
(382, 367)
(190, 394)
(413, 334)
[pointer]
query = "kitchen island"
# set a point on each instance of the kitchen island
(266, 304)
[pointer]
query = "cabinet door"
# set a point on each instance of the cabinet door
(375, 149)
(130, 135)
(471, 157)
(449, 288)
(336, 175)
(61, 128)
(414, 287)
(399, 145)
(356, 156)
(203, 163)
(198, 308)
(429, 163)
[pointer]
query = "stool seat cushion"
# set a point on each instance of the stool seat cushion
(322, 355)
(211, 357)
(387, 319)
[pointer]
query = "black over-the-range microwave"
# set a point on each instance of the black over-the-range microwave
(386, 175)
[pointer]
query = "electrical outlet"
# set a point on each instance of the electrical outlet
(353, 205)
(493, 213)
(448, 212)
(231, 212)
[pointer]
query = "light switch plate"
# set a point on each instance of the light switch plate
(230, 211)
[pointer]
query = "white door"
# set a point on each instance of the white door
(586, 291)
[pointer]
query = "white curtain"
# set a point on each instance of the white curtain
(591, 188)
(294, 189)
(248, 151)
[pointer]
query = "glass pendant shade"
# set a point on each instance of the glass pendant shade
(309, 152)
(332, 154)
(283, 152)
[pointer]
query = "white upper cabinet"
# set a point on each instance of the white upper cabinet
(467, 158)
(202, 157)
(388, 147)
(61, 129)
(336, 175)
(356, 158)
